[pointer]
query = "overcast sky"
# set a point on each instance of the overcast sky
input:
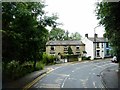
(76, 15)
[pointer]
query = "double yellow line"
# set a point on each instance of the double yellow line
(29, 85)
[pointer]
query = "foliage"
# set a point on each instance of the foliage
(23, 31)
(86, 58)
(84, 52)
(61, 34)
(75, 36)
(57, 34)
(70, 50)
(108, 14)
(39, 65)
(48, 59)
(14, 70)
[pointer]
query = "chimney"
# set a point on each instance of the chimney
(86, 35)
(96, 35)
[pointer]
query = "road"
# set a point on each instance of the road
(75, 75)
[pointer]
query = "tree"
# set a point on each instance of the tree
(57, 34)
(23, 30)
(70, 50)
(75, 36)
(108, 14)
(66, 37)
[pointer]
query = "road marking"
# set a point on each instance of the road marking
(94, 85)
(64, 81)
(35, 80)
(73, 71)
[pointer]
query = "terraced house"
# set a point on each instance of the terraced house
(55, 47)
(97, 47)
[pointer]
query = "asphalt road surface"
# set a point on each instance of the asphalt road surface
(75, 75)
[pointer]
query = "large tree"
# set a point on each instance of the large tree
(108, 14)
(57, 34)
(23, 30)
(75, 36)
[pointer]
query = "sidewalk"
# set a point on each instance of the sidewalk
(25, 80)
(110, 77)
(22, 82)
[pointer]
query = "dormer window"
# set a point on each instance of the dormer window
(65, 48)
(52, 48)
(98, 45)
(77, 47)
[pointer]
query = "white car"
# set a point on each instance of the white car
(114, 59)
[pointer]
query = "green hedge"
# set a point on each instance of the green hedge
(86, 58)
(48, 59)
(14, 70)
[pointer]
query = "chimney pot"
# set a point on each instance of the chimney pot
(96, 35)
(86, 35)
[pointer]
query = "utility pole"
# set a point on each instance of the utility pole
(95, 41)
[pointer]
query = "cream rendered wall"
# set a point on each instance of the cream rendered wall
(89, 47)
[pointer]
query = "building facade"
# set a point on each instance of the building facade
(56, 47)
(96, 47)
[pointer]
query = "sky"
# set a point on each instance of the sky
(76, 16)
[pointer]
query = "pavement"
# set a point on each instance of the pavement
(20, 83)
(110, 77)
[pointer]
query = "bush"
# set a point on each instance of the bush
(48, 59)
(14, 70)
(86, 58)
(39, 66)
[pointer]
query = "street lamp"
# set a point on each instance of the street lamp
(95, 41)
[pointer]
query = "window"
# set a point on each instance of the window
(77, 47)
(65, 48)
(52, 52)
(107, 52)
(106, 45)
(98, 53)
(52, 48)
(102, 45)
(97, 45)
(78, 53)
(65, 52)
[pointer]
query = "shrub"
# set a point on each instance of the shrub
(14, 70)
(48, 59)
(39, 66)
(86, 58)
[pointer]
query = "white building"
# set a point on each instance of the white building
(97, 47)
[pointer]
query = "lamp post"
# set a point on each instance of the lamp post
(95, 42)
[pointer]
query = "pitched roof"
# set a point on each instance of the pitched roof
(98, 39)
(65, 42)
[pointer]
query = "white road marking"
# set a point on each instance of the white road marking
(64, 81)
(94, 85)
(73, 71)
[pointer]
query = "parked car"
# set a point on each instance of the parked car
(114, 59)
